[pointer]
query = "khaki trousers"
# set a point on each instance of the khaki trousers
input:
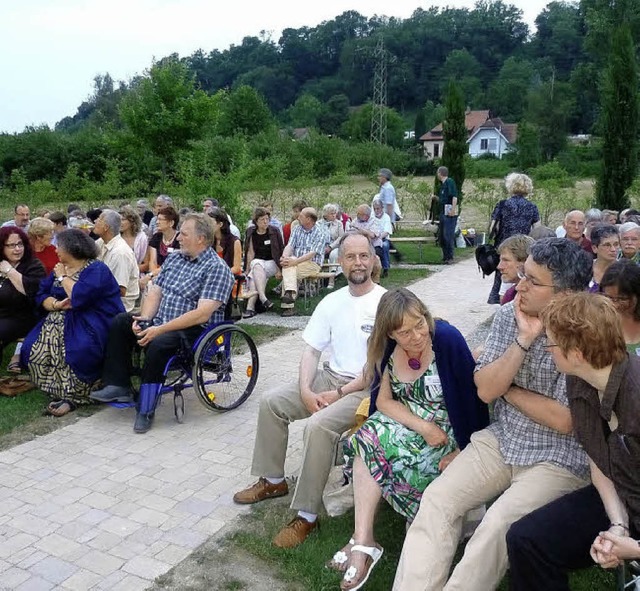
(282, 406)
(291, 275)
(476, 476)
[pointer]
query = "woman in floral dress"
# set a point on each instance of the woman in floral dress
(424, 408)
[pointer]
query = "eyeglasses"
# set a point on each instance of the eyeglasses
(14, 245)
(548, 344)
(614, 245)
(533, 282)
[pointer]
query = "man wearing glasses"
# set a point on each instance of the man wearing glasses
(526, 458)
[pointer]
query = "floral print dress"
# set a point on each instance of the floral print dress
(399, 459)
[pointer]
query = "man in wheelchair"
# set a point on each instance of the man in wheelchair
(190, 292)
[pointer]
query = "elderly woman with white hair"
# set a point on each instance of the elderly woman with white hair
(334, 230)
(515, 215)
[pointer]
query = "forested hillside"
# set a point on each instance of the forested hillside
(218, 110)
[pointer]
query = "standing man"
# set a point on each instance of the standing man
(526, 458)
(328, 397)
(21, 217)
(448, 202)
(301, 257)
(387, 193)
(118, 256)
(191, 290)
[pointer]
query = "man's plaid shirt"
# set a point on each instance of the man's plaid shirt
(524, 442)
(184, 281)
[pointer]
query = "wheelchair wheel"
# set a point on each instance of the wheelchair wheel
(225, 368)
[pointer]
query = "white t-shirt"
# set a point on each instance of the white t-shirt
(119, 257)
(343, 323)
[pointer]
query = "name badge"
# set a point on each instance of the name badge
(431, 380)
(170, 249)
(267, 242)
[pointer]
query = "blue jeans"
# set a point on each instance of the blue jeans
(448, 235)
(383, 253)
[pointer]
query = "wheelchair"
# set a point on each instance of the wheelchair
(222, 367)
(628, 576)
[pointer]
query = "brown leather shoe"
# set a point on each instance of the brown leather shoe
(294, 533)
(260, 491)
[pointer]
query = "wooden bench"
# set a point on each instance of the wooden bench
(312, 284)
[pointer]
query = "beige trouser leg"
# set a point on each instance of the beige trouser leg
(291, 275)
(281, 406)
(477, 475)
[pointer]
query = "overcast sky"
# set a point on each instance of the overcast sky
(52, 49)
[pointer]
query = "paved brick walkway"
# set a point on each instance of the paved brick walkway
(95, 506)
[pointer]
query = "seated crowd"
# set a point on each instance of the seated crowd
(560, 369)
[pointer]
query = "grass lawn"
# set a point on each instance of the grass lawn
(305, 565)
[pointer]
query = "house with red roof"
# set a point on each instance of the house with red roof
(486, 135)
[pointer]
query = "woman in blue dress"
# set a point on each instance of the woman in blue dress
(65, 350)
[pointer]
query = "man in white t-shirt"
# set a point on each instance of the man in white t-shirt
(118, 256)
(328, 397)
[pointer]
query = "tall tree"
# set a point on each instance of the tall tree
(165, 111)
(455, 134)
(619, 122)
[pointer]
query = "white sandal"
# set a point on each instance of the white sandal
(374, 553)
(340, 558)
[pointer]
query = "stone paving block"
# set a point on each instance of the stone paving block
(104, 541)
(33, 525)
(173, 554)
(145, 567)
(126, 474)
(145, 483)
(128, 549)
(35, 584)
(57, 545)
(146, 535)
(10, 505)
(100, 563)
(10, 457)
(53, 569)
(13, 577)
(98, 500)
(94, 516)
(125, 509)
(194, 506)
(150, 517)
(185, 537)
(209, 525)
(82, 580)
(69, 513)
(46, 509)
(4, 566)
(157, 502)
(132, 583)
(111, 581)
(119, 526)
(34, 557)
(75, 530)
(21, 555)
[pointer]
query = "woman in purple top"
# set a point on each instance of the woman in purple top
(605, 243)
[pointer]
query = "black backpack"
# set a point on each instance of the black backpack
(487, 258)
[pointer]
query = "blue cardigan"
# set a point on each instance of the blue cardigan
(455, 364)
